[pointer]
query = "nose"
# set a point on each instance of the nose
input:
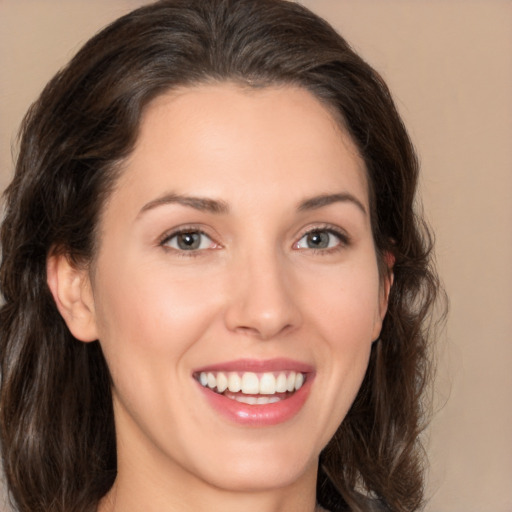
(262, 300)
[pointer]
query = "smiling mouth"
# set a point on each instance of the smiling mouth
(253, 388)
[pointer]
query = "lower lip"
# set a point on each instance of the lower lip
(259, 415)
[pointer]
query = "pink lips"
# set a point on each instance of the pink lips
(254, 365)
(259, 415)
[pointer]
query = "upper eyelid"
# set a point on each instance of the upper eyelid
(326, 227)
(169, 234)
(191, 228)
(344, 241)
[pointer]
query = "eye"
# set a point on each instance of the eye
(321, 239)
(190, 240)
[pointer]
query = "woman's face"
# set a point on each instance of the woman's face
(236, 251)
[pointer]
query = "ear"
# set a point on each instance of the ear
(72, 292)
(387, 281)
(385, 288)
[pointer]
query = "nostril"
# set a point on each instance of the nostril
(264, 332)
(250, 331)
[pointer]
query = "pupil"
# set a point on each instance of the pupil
(188, 241)
(318, 240)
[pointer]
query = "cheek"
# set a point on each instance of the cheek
(150, 324)
(147, 314)
(346, 304)
(345, 312)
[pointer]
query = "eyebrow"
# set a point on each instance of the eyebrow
(322, 200)
(206, 204)
(203, 204)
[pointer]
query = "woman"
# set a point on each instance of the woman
(215, 283)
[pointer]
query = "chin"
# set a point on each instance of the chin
(260, 477)
(264, 468)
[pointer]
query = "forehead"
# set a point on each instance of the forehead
(214, 139)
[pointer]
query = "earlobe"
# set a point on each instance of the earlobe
(71, 290)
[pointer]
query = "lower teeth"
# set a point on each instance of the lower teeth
(256, 400)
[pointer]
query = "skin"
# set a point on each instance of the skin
(254, 289)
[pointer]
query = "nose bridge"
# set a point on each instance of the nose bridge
(262, 301)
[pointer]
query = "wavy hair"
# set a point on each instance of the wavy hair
(56, 416)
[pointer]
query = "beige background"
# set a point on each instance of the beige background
(449, 64)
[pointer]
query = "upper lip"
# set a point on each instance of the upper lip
(258, 366)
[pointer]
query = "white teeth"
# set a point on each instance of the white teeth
(234, 382)
(260, 400)
(264, 400)
(222, 382)
(212, 381)
(290, 382)
(251, 400)
(250, 383)
(281, 383)
(299, 380)
(267, 384)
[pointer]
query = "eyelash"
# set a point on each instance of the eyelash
(192, 230)
(344, 240)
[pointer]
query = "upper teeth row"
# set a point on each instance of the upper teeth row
(251, 383)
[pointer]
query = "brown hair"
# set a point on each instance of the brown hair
(56, 418)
